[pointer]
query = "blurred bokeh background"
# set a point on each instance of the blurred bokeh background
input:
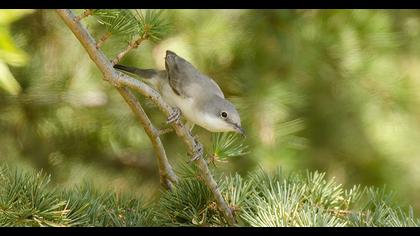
(329, 90)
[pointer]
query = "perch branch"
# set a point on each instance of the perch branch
(167, 176)
(119, 79)
(130, 46)
(165, 170)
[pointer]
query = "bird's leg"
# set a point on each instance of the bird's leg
(174, 116)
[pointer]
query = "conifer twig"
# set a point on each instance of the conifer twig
(120, 79)
(86, 13)
(165, 131)
(103, 39)
(131, 45)
(167, 176)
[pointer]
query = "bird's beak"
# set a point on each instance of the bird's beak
(240, 130)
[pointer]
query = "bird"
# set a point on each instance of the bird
(191, 93)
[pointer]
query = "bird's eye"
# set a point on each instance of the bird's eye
(224, 114)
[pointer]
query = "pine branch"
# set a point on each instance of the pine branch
(103, 39)
(151, 24)
(26, 201)
(109, 73)
(259, 199)
(227, 145)
(167, 176)
(119, 79)
(131, 45)
(118, 21)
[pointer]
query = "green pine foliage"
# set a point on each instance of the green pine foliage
(258, 199)
(106, 208)
(131, 23)
(117, 21)
(227, 145)
(25, 201)
(152, 24)
(28, 199)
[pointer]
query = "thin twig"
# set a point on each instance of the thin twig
(167, 176)
(130, 46)
(103, 39)
(165, 131)
(120, 79)
(86, 13)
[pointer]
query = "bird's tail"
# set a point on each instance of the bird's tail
(144, 73)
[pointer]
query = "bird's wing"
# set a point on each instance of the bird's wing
(178, 83)
(185, 80)
(216, 88)
(189, 86)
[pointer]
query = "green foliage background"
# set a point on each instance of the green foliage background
(260, 199)
(328, 90)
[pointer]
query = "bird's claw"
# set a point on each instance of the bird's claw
(198, 152)
(174, 116)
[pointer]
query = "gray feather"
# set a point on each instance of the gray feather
(186, 80)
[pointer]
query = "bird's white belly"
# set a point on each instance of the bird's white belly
(186, 105)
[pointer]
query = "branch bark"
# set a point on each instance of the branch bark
(167, 176)
(119, 79)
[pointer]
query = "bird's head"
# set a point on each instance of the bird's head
(222, 116)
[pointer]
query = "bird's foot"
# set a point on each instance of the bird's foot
(198, 151)
(174, 116)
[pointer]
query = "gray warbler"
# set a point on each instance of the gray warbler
(195, 95)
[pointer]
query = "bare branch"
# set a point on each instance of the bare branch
(119, 79)
(167, 176)
(87, 12)
(130, 46)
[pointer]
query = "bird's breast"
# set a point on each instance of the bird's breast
(193, 112)
(185, 104)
